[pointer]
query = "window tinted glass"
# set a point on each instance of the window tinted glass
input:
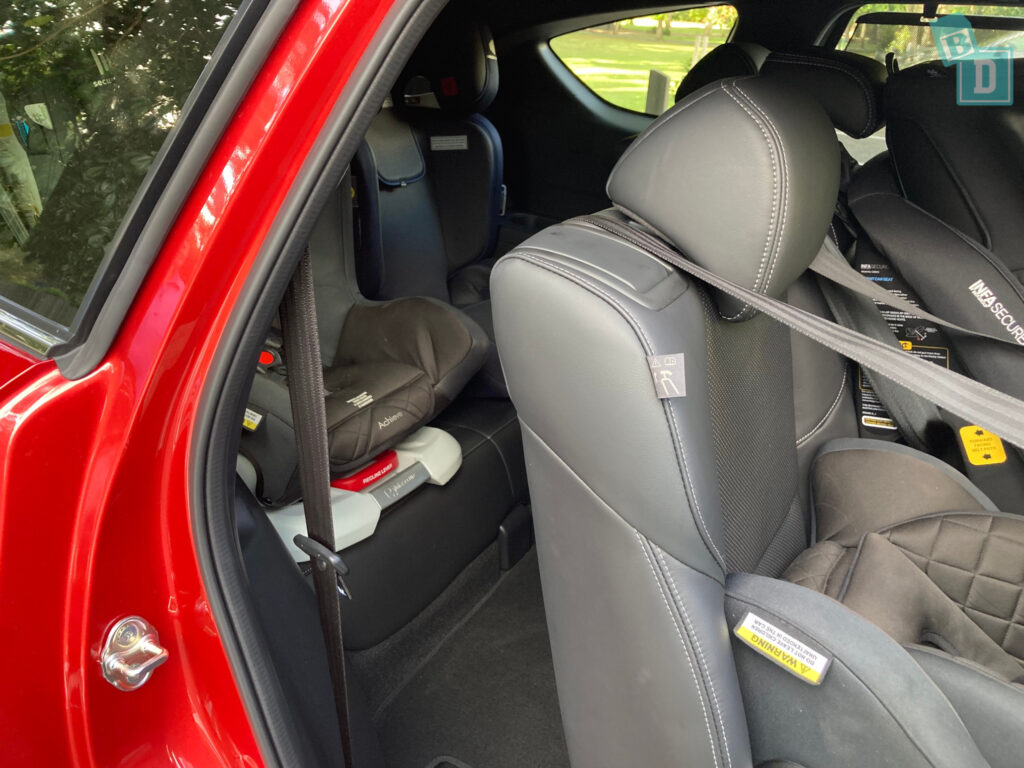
(638, 63)
(88, 92)
(876, 30)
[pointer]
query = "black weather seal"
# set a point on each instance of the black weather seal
(216, 436)
(212, 103)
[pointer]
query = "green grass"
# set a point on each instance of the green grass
(616, 67)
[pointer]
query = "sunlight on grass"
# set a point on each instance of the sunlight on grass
(617, 66)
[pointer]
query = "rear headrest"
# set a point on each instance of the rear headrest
(962, 164)
(848, 86)
(459, 60)
(727, 60)
(742, 177)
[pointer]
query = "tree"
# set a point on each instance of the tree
(114, 74)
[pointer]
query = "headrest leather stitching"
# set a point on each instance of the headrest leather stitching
(783, 183)
(774, 204)
(852, 73)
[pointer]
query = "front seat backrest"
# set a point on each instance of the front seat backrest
(642, 505)
(658, 423)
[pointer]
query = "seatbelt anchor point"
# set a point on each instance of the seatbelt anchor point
(323, 558)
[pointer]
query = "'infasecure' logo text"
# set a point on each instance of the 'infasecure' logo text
(990, 301)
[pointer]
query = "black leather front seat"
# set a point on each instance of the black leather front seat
(665, 517)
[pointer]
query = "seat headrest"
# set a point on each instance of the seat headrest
(848, 86)
(727, 60)
(459, 60)
(742, 177)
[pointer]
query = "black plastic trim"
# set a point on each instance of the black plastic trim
(206, 113)
(215, 441)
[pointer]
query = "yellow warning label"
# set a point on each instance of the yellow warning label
(781, 647)
(251, 419)
(907, 345)
(6, 130)
(981, 446)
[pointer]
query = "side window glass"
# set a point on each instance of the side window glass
(88, 93)
(877, 29)
(637, 64)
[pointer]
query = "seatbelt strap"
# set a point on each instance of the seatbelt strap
(832, 265)
(912, 414)
(995, 411)
(306, 390)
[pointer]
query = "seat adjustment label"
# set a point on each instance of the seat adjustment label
(448, 143)
(781, 647)
(669, 373)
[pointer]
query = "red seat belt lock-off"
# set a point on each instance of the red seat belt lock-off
(380, 467)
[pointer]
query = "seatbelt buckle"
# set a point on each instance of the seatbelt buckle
(323, 558)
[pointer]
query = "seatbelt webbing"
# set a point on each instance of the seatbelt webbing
(913, 414)
(830, 264)
(979, 404)
(306, 391)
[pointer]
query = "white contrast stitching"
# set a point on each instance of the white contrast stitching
(701, 662)
(783, 183)
(774, 192)
(679, 634)
(829, 412)
(535, 259)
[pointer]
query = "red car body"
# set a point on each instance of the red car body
(94, 473)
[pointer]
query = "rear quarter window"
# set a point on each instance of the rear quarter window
(638, 63)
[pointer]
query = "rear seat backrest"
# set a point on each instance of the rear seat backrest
(434, 208)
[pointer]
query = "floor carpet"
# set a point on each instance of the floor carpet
(485, 695)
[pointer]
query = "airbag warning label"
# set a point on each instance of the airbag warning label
(781, 647)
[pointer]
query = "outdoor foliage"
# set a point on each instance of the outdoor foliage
(615, 61)
(113, 75)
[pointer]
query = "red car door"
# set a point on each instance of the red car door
(115, 289)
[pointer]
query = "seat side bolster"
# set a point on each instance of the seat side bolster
(642, 659)
(873, 695)
(992, 710)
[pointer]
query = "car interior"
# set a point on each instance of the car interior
(595, 511)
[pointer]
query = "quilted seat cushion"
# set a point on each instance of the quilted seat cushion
(977, 560)
(370, 406)
(397, 366)
(899, 551)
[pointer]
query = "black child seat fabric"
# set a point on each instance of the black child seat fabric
(944, 207)
(390, 367)
(428, 182)
(665, 515)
